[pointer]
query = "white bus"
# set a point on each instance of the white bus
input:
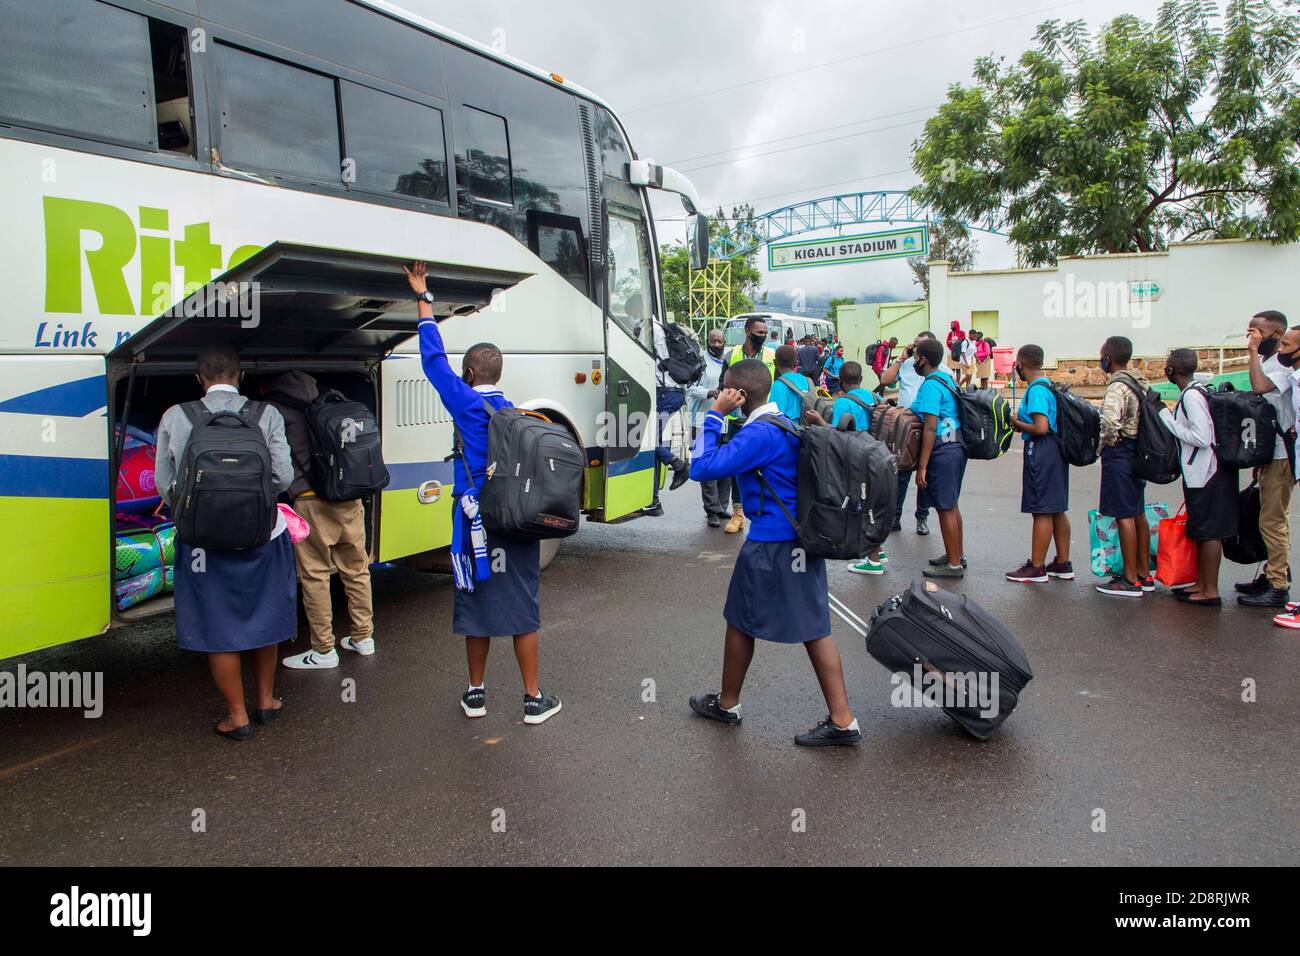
(150, 148)
(782, 328)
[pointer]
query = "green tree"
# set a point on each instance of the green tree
(833, 310)
(674, 263)
(949, 241)
(1184, 128)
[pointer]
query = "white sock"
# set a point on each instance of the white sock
(474, 687)
(852, 726)
(731, 710)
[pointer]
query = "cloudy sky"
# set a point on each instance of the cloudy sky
(773, 101)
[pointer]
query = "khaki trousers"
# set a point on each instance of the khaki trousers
(337, 539)
(1275, 483)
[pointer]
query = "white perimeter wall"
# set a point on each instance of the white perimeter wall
(1210, 290)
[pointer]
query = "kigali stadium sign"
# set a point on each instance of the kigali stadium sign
(893, 244)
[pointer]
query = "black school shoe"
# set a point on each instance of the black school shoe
(541, 708)
(713, 521)
(474, 703)
(707, 705)
(1269, 597)
(826, 734)
(922, 526)
(681, 474)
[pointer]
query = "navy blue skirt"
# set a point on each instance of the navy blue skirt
(1045, 483)
(943, 475)
(505, 604)
(1123, 494)
(770, 600)
(1212, 512)
(239, 600)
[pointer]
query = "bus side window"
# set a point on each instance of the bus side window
(488, 152)
(396, 145)
(631, 296)
(95, 71)
(275, 118)
(557, 241)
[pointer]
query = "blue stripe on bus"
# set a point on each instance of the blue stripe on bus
(638, 462)
(411, 474)
(34, 476)
(74, 399)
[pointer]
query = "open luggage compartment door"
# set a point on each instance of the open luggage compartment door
(319, 310)
(302, 306)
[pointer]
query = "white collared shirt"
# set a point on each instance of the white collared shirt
(1193, 426)
(220, 387)
(771, 408)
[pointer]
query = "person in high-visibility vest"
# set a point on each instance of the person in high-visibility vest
(754, 346)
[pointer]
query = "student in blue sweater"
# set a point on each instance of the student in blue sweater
(496, 578)
(777, 593)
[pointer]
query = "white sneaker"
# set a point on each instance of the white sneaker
(365, 647)
(312, 661)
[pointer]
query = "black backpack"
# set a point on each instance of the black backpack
(347, 459)
(1245, 427)
(848, 488)
(1155, 453)
(985, 417)
(224, 497)
(870, 354)
(1078, 426)
(685, 362)
(533, 486)
(1247, 546)
(956, 348)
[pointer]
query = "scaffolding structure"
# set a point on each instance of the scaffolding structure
(709, 296)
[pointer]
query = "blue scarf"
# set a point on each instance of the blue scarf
(469, 559)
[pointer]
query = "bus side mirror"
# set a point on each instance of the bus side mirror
(697, 240)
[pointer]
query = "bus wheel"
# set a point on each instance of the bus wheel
(550, 547)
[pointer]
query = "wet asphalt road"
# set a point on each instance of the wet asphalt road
(1135, 710)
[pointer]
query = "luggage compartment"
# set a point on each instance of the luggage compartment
(141, 530)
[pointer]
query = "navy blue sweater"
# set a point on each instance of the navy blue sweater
(464, 403)
(758, 444)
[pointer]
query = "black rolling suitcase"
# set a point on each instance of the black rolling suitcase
(952, 638)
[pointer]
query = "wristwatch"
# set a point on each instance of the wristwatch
(425, 296)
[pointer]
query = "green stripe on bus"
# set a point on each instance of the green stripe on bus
(54, 578)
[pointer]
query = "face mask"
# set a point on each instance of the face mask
(1268, 347)
(1289, 359)
(916, 367)
(1020, 374)
(715, 351)
(757, 341)
(1104, 364)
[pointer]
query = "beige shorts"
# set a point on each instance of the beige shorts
(984, 369)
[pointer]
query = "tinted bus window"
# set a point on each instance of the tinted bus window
(488, 157)
(557, 241)
(631, 297)
(397, 145)
(275, 118)
(79, 67)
